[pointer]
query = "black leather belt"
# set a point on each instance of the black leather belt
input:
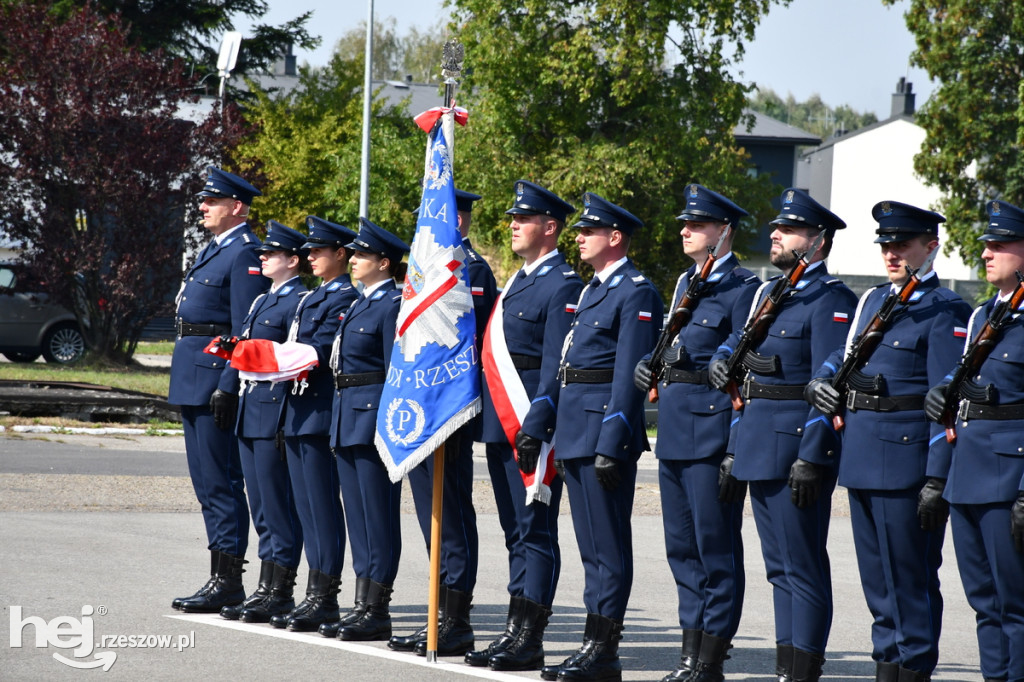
(524, 362)
(189, 329)
(969, 410)
(855, 400)
(752, 389)
(684, 376)
(363, 379)
(587, 376)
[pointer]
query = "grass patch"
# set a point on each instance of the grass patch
(152, 427)
(155, 348)
(154, 380)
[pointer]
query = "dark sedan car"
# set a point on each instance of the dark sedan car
(30, 325)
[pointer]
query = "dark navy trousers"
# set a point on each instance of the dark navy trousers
(373, 507)
(460, 542)
(314, 478)
(271, 501)
(793, 543)
(216, 473)
(704, 545)
(531, 530)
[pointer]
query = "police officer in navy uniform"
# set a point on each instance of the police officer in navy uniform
(360, 359)
(785, 451)
(306, 426)
(891, 456)
(214, 299)
(702, 518)
(985, 487)
(537, 307)
(600, 428)
(460, 542)
(259, 413)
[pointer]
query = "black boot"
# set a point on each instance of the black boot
(908, 675)
(358, 607)
(550, 672)
(280, 621)
(526, 652)
(784, 662)
(214, 562)
(375, 623)
(227, 589)
(262, 590)
(409, 642)
(513, 622)
(713, 652)
(323, 605)
(887, 672)
(454, 632)
(806, 666)
(601, 663)
(688, 657)
(279, 602)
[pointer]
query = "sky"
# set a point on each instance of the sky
(850, 52)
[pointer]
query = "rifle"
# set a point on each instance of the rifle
(757, 326)
(869, 338)
(977, 351)
(681, 316)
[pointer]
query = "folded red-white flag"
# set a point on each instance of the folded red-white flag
(265, 360)
(428, 118)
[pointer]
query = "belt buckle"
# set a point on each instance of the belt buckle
(747, 380)
(965, 406)
(177, 326)
(851, 400)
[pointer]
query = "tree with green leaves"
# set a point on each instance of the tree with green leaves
(630, 100)
(416, 54)
(307, 145)
(813, 115)
(974, 119)
(192, 29)
(98, 171)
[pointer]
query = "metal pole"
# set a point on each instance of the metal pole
(364, 178)
(434, 592)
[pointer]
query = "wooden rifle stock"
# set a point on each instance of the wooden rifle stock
(977, 351)
(867, 341)
(756, 328)
(679, 318)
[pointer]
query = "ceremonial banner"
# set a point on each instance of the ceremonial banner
(433, 382)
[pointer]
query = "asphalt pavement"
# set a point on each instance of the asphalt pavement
(97, 535)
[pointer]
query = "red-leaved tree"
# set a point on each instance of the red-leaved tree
(97, 167)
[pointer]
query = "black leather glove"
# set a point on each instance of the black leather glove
(718, 374)
(227, 343)
(805, 482)
(1017, 522)
(279, 443)
(935, 402)
(560, 468)
(528, 450)
(607, 470)
(223, 405)
(730, 488)
(453, 447)
(642, 375)
(820, 394)
(932, 510)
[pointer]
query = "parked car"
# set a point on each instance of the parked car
(30, 325)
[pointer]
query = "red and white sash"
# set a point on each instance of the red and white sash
(511, 402)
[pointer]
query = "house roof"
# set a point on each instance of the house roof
(768, 129)
(860, 131)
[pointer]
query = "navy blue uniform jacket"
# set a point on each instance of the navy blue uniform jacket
(218, 289)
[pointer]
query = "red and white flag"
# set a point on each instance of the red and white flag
(265, 360)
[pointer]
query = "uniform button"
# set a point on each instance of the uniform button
(191, 279)
(1020, 449)
(551, 430)
(625, 447)
(895, 343)
(214, 364)
(710, 407)
(1006, 355)
(704, 321)
(266, 321)
(520, 314)
(368, 404)
(905, 439)
(207, 280)
(800, 430)
(605, 407)
(829, 453)
(361, 329)
(782, 333)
